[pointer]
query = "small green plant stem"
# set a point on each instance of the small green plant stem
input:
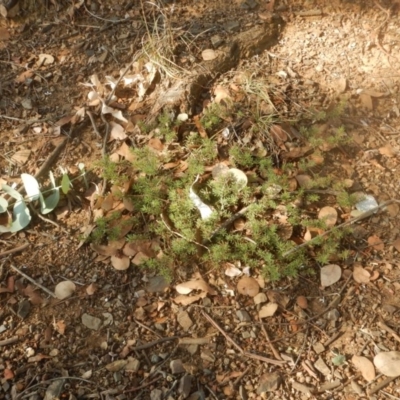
(181, 236)
(227, 223)
(366, 214)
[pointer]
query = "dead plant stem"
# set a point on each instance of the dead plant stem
(50, 293)
(234, 344)
(14, 250)
(344, 224)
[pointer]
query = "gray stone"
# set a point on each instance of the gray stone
(207, 355)
(185, 385)
(132, 365)
(91, 322)
(243, 316)
(269, 382)
(176, 366)
(184, 320)
(318, 348)
(217, 41)
(321, 366)
(232, 26)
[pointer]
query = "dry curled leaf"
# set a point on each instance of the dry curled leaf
(376, 243)
(302, 302)
(388, 363)
(329, 215)
(248, 286)
(360, 274)
(120, 262)
(365, 366)
(195, 284)
(268, 310)
(330, 274)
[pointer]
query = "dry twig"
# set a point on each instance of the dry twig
(14, 250)
(234, 344)
(33, 281)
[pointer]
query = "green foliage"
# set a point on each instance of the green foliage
(164, 209)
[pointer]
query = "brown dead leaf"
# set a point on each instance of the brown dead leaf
(120, 262)
(156, 144)
(278, 134)
(186, 300)
(376, 243)
(366, 101)
(396, 244)
(360, 274)
(60, 327)
(10, 285)
(38, 357)
(268, 310)
(199, 126)
(388, 150)
(329, 215)
(34, 296)
(8, 374)
(104, 250)
(304, 181)
(330, 274)
(365, 366)
(125, 152)
(195, 284)
(221, 93)
(91, 289)
(21, 78)
(248, 286)
(21, 157)
(302, 302)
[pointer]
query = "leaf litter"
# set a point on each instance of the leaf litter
(141, 77)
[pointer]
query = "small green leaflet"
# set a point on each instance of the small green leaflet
(21, 216)
(12, 192)
(31, 186)
(339, 360)
(65, 183)
(3, 205)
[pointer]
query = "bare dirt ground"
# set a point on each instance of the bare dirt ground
(121, 335)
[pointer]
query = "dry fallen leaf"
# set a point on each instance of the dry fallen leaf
(388, 150)
(396, 244)
(302, 302)
(360, 274)
(120, 262)
(64, 289)
(268, 310)
(365, 366)
(329, 215)
(60, 327)
(375, 242)
(186, 300)
(248, 286)
(388, 363)
(195, 284)
(330, 274)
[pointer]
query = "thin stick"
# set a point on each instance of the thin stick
(154, 343)
(381, 385)
(273, 349)
(245, 353)
(344, 224)
(14, 250)
(147, 328)
(390, 330)
(19, 396)
(33, 281)
(11, 340)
